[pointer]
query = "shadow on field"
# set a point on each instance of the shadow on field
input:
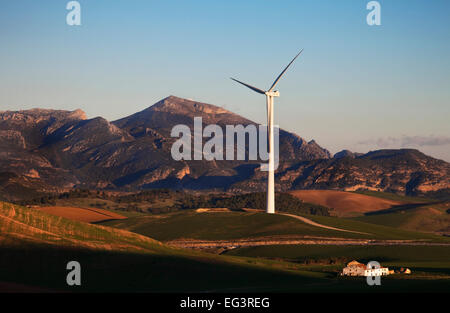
(44, 268)
(104, 271)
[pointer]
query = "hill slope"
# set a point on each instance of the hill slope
(36, 247)
(344, 203)
(29, 226)
(425, 217)
(251, 225)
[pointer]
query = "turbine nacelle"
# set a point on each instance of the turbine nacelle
(275, 93)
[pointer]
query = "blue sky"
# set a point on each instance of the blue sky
(355, 87)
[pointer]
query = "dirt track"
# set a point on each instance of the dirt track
(222, 245)
(292, 240)
(310, 222)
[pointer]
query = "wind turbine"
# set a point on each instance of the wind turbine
(270, 94)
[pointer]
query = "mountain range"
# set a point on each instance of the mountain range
(54, 150)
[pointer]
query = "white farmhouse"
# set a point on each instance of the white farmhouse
(377, 271)
(354, 268)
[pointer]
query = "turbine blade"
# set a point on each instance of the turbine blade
(249, 86)
(282, 73)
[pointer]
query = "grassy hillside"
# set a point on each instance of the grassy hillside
(218, 225)
(234, 225)
(29, 226)
(36, 248)
(363, 253)
(425, 218)
(378, 231)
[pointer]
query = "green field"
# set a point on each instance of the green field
(218, 225)
(426, 218)
(378, 231)
(414, 216)
(426, 262)
(433, 256)
(235, 225)
(35, 248)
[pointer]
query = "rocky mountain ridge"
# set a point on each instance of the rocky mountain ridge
(51, 150)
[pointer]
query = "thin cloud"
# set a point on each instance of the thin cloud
(407, 141)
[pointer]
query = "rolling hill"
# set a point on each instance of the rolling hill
(425, 217)
(250, 225)
(37, 246)
(345, 203)
(25, 226)
(403, 212)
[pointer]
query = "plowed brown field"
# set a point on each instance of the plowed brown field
(91, 215)
(345, 203)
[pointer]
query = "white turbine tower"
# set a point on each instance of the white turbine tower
(270, 94)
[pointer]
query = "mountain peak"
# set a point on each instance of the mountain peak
(343, 154)
(186, 106)
(174, 110)
(78, 114)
